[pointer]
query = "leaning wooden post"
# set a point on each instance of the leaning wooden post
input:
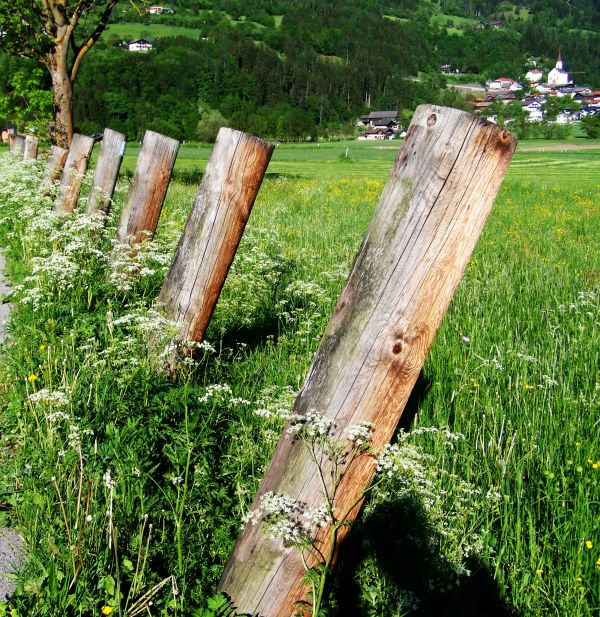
(430, 215)
(12, 140)
(31, 147)
(148, 188)
(106, 172)
(56, 163)
(213, 230)
(16, 143)
(75, 168)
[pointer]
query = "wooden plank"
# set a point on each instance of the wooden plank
(31, 147)
(54, 168)
(213, 230)
(429, 217)
(106, 172)
(75, 167)
(148, 187)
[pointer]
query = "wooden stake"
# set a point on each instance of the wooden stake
(430, 215)
(75, 168)
(16, 143)
(54, 168)
(213, 230)
(106, 172)
(31, 147)
(148, 187)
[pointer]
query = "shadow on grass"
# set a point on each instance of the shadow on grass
(390, 566)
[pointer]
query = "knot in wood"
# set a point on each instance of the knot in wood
(397, 348)
(505, 136)
(431, 120)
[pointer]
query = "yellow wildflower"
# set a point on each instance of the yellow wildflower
(579, 579)
(42, 347)
(589, 544)
(31, 378)
(107, 610)
(539, 572)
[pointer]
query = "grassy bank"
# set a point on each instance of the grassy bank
(126, 480)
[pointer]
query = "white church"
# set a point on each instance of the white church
(558, 76)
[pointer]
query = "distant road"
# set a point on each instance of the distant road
(559, 147)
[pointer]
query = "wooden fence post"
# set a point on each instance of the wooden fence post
(213, 230)
(31, 147)
(54, 168)
(75, 168)
(12, 139)
(106, 172)
(16, 142)
(148, 187)
(429, 217)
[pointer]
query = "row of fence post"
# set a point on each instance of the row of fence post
(431, 212)
(21, 144)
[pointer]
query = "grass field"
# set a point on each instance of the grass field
(499, 520)
(328, 160)
(131, 31)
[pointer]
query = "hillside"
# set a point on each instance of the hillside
(302, 69)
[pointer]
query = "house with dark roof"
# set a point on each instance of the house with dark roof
(139, 45)
(381, 119)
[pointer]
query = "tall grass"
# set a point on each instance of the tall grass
(127, 480)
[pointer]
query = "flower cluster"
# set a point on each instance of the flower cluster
(287, 519)
(311, 425)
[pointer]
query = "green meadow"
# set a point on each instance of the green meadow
(121, 475)
(548, 162)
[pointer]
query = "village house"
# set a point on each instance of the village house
(534, 76)
(141, 45)
(504, 83)
(159, 10)
(377, 135)
(381, 119)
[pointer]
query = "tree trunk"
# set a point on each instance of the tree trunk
(62, 89)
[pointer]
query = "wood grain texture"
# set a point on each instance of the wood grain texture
(429, 217)
(106, 172)
(31, 147)
(75, 167)
(148, 187)
(54, 168)
(213, 230)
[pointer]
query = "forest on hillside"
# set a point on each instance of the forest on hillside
(301, 69)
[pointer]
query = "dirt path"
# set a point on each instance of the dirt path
(12, 545)
(4, 308)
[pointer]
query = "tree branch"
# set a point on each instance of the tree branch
(100, 27)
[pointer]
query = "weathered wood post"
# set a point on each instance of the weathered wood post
(213, 230)
(74, 170)
(148, 187)
(54, 168)
(106, 172)
(12, 140)
(429, 217)
(31, 147)
(16, 142)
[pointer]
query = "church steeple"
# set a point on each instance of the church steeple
(559, 61)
